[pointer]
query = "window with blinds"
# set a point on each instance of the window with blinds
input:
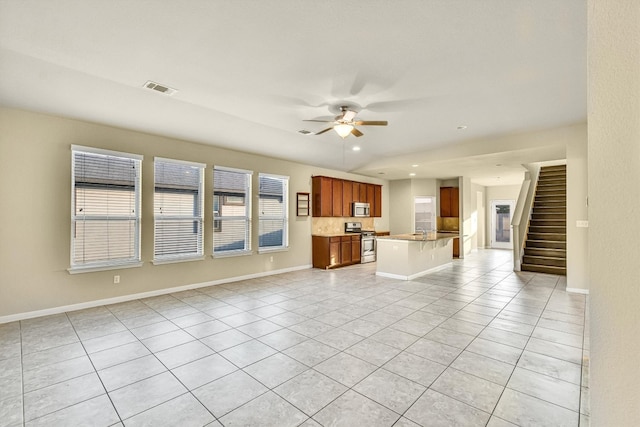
(231, 211)
(178, 210)
(273, 198)
(105, 216)
(425, 214)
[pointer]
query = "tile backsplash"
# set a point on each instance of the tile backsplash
(329, 225)
(448, 223)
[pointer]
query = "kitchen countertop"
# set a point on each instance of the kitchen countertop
(419, 237)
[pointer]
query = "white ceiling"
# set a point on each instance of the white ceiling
(248, 73)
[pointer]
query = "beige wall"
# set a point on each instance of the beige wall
(35, 184)
(577, 237)
(402, 194)
(614, 207)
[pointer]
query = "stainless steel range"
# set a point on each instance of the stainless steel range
(367, 241)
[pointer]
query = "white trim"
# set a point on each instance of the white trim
(131, 297)
(101, 151)
(578, 291)
(413, 276)
(228, 169)
(94, 268)
(181, 162)
(267, 250)
(174, 260)
(229, 254)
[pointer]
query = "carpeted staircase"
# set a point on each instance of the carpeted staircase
(546, 245)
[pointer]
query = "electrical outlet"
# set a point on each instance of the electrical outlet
(582, 223)
(116, 279)
(271, 258)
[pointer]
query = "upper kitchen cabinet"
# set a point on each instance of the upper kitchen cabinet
(333, 197)
(336, 208)
(449, 203)
(347, 198)
(322, 193)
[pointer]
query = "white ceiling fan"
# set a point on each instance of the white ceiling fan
(345, 124)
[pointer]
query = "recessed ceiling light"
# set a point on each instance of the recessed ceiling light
(412, 174)
(356, 148)
(462, 127)
(381, 173)
(414, 166)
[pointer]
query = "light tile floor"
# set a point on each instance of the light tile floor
(473, 344)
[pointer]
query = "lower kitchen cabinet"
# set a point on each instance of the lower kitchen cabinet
(456, 248)
(335, 251)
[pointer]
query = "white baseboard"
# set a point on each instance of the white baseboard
(578, 291)
(125, 298)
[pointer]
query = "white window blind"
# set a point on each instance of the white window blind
(273, 197)
(231, 211)
(178, 210)
(425, 214)
(105, 216)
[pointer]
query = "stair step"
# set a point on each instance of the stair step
(546, 261)
(554, 168)
(555, 237)
(548, 244)
(548, 223)
(548, 215)
(552, 180)
(549, 203)
(548, 252)
(547, 229)
(544, 269)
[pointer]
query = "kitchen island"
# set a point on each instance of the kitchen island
(407, 256)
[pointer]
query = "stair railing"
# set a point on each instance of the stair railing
(522, 213)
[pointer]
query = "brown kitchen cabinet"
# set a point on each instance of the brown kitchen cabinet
(335, 251)
(336, 207)
(333, 197)
(376, 207)
(456, 248)
(347, 198)
(322, 193)
(449, 203)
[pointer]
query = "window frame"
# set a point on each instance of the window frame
(181, 257)
(218, 221)
(136, 260)
(434, 214)
(284, 218)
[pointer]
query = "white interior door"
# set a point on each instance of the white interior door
(501, 232)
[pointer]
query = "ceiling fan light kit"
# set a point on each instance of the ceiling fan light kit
(343, 129)
(345, 124)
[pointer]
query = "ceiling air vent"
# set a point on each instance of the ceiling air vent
(160, 88)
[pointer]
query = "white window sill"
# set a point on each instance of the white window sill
(271, 250)
(229, 254)
(94, 268)
(176, 260)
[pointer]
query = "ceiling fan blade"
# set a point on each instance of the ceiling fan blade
(356, 132)
(321, 121)
(371, 123)
(323, 131)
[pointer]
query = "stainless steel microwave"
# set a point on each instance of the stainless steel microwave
(360, 209)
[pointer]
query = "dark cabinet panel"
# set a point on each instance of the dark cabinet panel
(347, 197)
(376, 208)
(345, 250)
(336, 207)
(449, 204)
(355, 249)
(322, 190)
(456, 248)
